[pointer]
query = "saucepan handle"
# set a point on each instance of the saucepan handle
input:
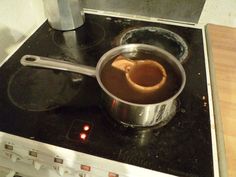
(50, 63)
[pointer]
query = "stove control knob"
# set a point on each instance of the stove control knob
(11, 173)
(37, 165)
(82, 175)
(60, 170)
(14, 157)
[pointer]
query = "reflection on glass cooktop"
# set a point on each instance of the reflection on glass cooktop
(64, 109)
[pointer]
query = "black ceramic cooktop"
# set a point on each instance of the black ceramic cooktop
(64, 109)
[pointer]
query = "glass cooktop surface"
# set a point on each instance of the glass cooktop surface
(64, 109)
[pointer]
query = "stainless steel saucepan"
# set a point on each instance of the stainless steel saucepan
(125, 112)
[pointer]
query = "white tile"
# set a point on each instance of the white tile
(221, 12)
(18, 18)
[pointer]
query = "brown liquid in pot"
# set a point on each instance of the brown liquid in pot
(116, 83)
(145, 74)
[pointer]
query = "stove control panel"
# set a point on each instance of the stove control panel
(36, 159)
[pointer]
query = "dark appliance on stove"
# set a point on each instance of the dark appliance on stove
(55, 107)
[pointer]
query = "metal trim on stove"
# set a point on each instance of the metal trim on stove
(47, 153)
(138, 17)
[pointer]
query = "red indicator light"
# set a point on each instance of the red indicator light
(86, 127)
(111, 174)
(83, 136)
(85, 167)
(113, 104)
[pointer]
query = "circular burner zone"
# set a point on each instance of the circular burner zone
(34, 89)
(87, 36)
(159, 37)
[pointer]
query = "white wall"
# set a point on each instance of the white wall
(220, 12)
(18, 19)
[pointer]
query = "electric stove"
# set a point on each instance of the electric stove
(62, 109)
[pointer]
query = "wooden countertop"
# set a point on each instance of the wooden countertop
(222, 42)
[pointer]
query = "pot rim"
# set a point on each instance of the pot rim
(135, 47)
